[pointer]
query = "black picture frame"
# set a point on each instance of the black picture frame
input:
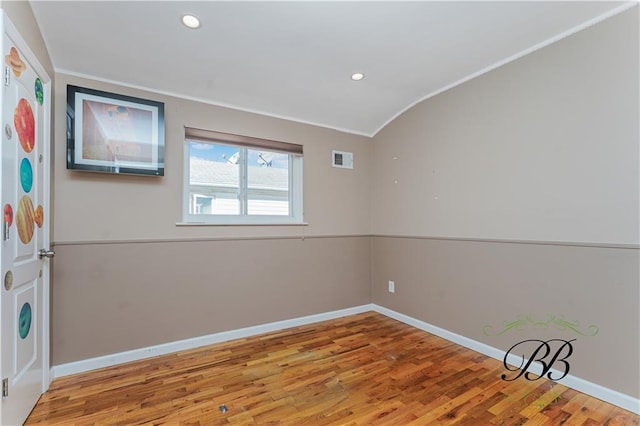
(113, 133)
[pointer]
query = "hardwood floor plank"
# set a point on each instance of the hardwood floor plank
(358, 370)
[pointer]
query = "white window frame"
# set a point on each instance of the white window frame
(296, 212)
(198, 196)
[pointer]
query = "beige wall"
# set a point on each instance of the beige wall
(108, 298)
(111, 298)
(99, 207)
(542, 149)
(462, 286)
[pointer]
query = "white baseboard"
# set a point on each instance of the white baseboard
(181, 345)
(611, 396)
(608, 395)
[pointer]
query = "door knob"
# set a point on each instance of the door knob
(46, 253)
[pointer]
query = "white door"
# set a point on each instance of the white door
(24, 355)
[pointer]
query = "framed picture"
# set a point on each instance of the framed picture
(113, 133)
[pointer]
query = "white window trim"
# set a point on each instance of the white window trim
(296, 203)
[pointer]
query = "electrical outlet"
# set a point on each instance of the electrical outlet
(392, 287)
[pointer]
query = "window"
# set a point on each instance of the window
(231, 179)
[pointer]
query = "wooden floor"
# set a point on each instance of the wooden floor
(359, 370)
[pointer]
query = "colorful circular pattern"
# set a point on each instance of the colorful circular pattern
(25, 220)
(8, 280)
(8, 214)
(24, 321)
(25, 125)
(38, 217)
(26, 175)
(14, 61)
(39, 91)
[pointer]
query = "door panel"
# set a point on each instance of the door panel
(24, 341)
(24, 190)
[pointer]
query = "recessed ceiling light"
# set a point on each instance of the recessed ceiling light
(357, 76)
(191, 21)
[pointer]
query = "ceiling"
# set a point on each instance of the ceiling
(294, 59)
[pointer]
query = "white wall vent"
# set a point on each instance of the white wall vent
(342, 159)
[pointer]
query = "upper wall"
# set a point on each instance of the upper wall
(544, 148)
(99, 207)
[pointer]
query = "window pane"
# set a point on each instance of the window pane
(268, 183)
(214, 172)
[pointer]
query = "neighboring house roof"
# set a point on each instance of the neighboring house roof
(210, 173)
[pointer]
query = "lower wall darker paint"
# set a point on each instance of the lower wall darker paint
(463, 286)
(110, 298)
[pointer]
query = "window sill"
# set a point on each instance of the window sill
(242, 224)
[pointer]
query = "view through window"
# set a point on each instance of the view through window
(229, 180)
